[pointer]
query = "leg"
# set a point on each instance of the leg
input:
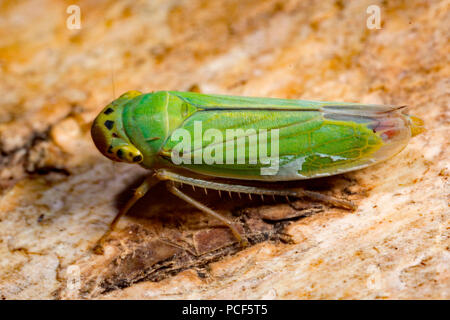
(148, 183)
(171, 187)
(297, 193)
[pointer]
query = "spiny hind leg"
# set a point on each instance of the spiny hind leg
(262, 191)
(148, 183)
(174, 190)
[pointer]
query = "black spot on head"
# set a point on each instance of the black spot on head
(110, 149)
(108, 111)
(109, 124)
(137, 158)
(114, 135)
(120, 153)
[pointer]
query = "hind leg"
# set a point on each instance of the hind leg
(245, 189)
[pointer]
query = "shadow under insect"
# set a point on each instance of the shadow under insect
(165, 216)
(163, 235)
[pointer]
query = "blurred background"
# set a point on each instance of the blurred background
(61, 62)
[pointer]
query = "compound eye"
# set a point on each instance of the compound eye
(127, 153)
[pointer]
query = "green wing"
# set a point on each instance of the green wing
(315, 138)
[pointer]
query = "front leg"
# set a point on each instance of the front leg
(148, 183)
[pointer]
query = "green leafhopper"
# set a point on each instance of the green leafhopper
(189, 138)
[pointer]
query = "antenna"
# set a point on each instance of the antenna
(112, 78)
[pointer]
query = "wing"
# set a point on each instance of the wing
(313, 138)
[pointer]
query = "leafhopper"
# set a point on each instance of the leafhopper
(217, 141)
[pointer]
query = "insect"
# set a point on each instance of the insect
(217, 142)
